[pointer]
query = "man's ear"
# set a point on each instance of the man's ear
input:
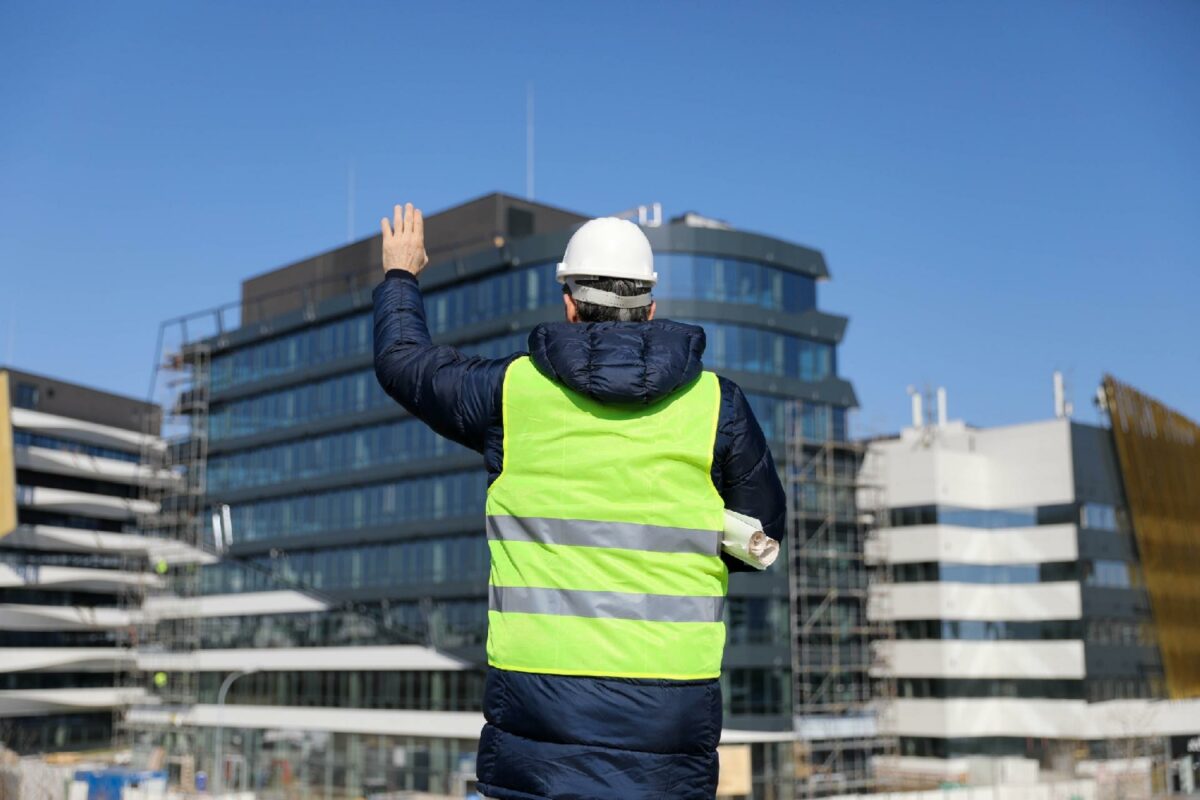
(572, 309)
(653, 308)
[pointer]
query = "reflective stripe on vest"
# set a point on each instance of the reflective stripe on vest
(590, 533)
(604, 532)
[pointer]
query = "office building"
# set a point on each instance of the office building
(1044, 592)
(71, 485)
(356, 560)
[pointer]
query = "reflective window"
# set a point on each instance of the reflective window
(756, 620)
(441, 623)
(427, 498)
(25, 396)
(445, 309)
(351, 393)
(412, 561)
(755, 690)
(986, 518)
(687, 276)
(757, 350)
(27, 439)
(416, 690)
(681, 276)
(989, 630)
(818, 421)
(391, 443)
(1108, 574)
(928, 572)
(492, 297)
(1051, 689)
(1120, 631)
(309, 347)
(1100, 517)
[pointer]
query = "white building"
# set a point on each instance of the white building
(71, 479)
(1023, 627)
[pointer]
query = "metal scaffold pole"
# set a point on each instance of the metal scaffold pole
(161, 632)
(838, 697)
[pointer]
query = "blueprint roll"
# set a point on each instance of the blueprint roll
(744, 540)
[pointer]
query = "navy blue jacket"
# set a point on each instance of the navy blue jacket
(574, 738)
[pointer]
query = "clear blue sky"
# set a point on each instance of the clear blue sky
(1000, 188)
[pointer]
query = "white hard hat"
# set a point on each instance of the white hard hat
(608, 247)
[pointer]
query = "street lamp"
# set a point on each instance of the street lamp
(219, 777)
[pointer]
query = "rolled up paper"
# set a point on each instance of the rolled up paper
(744, 539)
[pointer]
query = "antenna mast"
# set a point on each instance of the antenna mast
(529, 141)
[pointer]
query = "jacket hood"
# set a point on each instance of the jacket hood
(619, 362)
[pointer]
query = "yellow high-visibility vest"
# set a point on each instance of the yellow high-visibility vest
(605, 532)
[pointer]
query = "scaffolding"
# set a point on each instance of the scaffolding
(173, 538)
(840, 694)
(161, 610)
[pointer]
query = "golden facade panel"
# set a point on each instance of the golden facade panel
(8, 476)
(1159, 454)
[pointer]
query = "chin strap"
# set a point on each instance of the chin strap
(599, 297)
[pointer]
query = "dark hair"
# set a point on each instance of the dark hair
(590, 312)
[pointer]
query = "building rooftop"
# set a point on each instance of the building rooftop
(485, 222)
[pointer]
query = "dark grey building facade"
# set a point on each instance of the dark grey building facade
(333, 489)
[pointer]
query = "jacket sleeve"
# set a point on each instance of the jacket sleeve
(744, 471)
(457, 395)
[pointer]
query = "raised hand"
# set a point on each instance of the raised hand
(404, 240)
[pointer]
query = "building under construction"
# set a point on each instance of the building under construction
(840, 695)
(337, 646)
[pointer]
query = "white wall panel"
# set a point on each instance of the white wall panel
(26, 702)
(1034, 545)
(74, 540)
(242, 604)
(22, 617)
(92, 580)
(80, 431)
(958, 659)
(101, 506)
(61, 462)
(964, 601)
(991, 716)
(304, 659)
(63, 659)
(1053, 719)
(1016, 466)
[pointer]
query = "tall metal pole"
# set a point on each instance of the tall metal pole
(529, 141)
(219, 776)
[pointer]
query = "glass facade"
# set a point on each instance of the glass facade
(418, 690)
(330, 454)
(410, 562)
(350, 393)
(746, 349)
(688, 276)
(682, 276)
(453, 494)
(320, 416)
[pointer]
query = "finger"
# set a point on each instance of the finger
(398, 223)
(419, 223)
(387, 229)
(408, 218)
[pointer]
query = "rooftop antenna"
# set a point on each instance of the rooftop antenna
(529, 141)
(918, 420)
(1063, 408)
(350, 202)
